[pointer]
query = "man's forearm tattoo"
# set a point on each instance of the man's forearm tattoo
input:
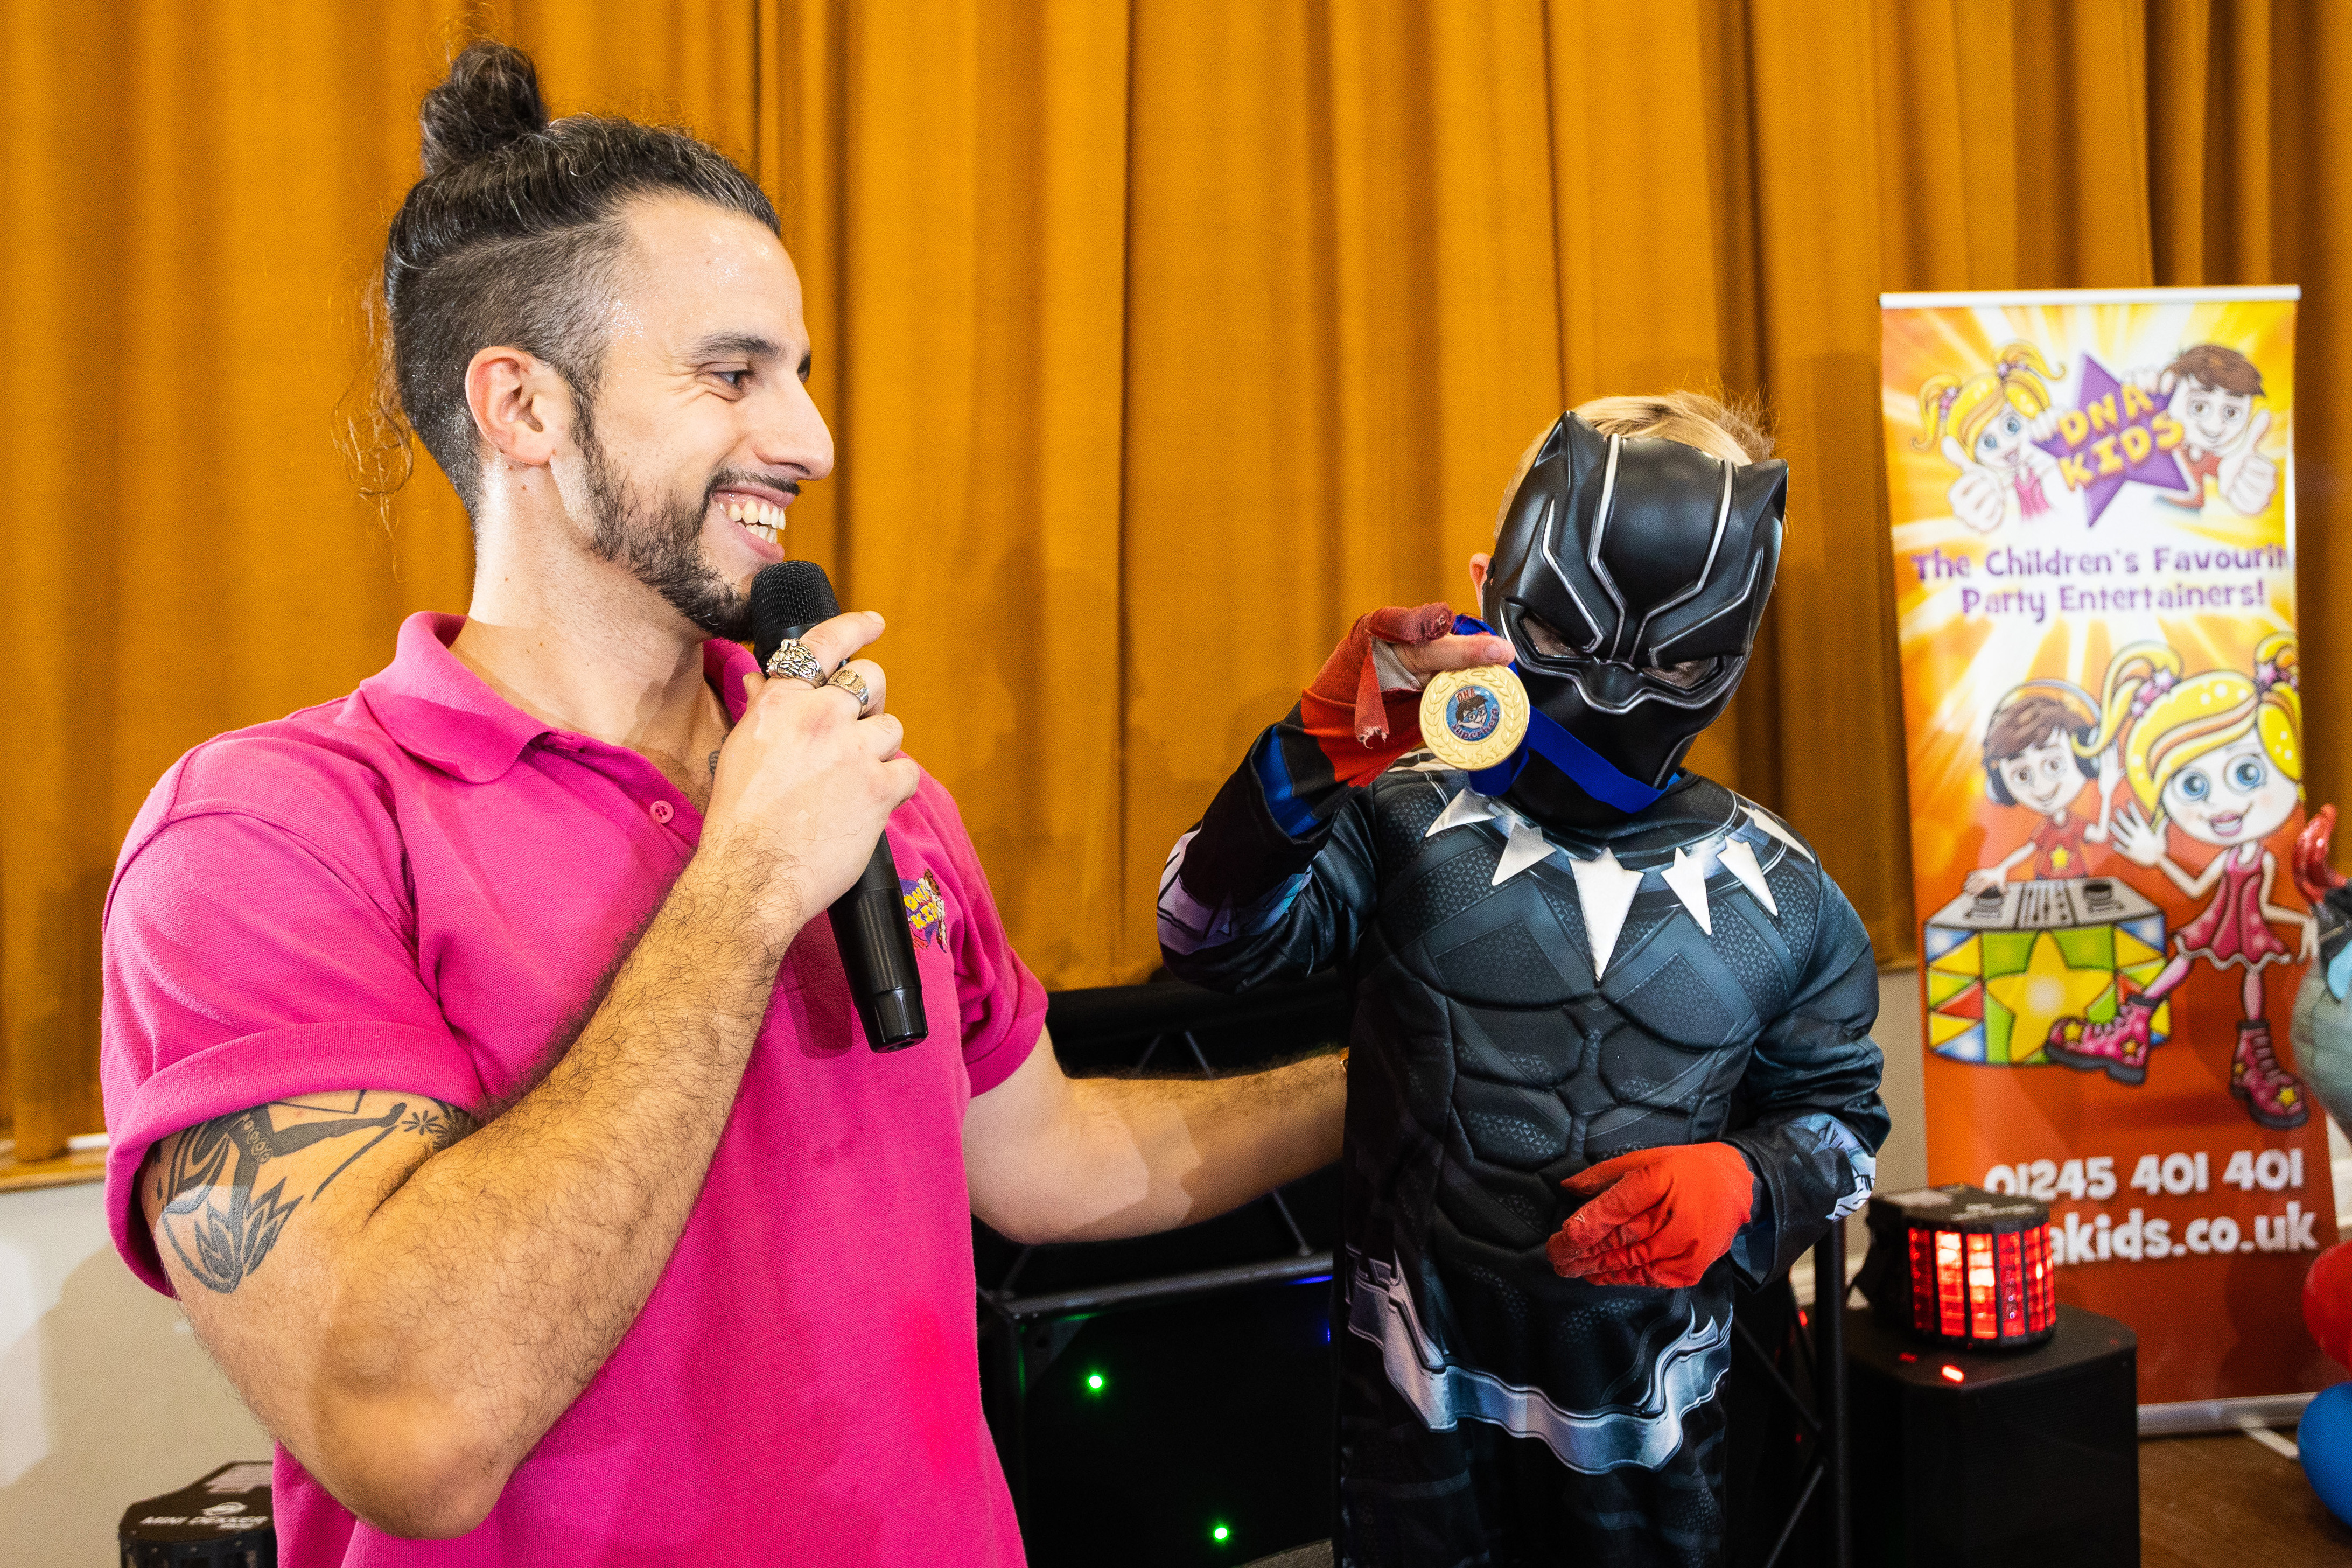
(219, 1218)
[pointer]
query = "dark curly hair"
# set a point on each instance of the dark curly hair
(510, 238)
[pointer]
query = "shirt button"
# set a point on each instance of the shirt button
(661, 811)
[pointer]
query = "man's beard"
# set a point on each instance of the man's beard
(660, 543)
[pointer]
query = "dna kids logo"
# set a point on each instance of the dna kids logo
(2119, 433)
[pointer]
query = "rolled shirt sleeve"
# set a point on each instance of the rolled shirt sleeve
(243, 964)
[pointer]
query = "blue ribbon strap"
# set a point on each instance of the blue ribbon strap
(1595, 774)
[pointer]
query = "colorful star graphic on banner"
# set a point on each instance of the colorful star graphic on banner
(2108, 438)
(2046, 990)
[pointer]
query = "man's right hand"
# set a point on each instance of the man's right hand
(805, 783)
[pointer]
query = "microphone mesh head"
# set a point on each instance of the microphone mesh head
(787, 598)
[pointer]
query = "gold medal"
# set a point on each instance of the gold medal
(1474, 719)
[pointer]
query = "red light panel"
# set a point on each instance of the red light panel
(1951, 1289)
(1923, 1280)
(2009, 1264)
(1984, 1321)
(2041, 1289)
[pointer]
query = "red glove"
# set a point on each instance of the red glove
(1656, 1217)
(2327, 1301)
(1361, 728)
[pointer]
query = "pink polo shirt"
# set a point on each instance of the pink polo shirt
(413, 890)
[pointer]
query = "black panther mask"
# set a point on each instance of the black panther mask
(1630, 575)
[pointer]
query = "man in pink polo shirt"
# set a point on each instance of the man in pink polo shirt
(482, 1077)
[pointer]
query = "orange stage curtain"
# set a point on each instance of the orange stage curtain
(1159, 339)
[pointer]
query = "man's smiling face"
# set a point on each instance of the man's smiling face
(700, 430)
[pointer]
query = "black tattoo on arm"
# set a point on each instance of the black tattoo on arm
(216, 1215)
(714, 765)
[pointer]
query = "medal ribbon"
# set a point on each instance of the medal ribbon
(1594, 774)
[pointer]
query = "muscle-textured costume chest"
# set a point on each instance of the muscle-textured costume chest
(1529, 1000)
(1552, 1000)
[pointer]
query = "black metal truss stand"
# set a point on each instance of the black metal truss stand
(1821, 1420)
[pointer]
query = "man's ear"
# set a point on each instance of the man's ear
(1479, 564)
(521, 404)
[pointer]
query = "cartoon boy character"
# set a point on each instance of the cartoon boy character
(2211, 392)
(1474, 714)
(2035, 756)
(2220, 757)
(1986, 423)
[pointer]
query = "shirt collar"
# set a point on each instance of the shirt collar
(441, 712)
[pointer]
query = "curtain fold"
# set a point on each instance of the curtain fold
(1159, 340)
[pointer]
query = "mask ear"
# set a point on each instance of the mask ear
(1571, 449)
(1759, 493)
(1557, 441)
(1586, 449)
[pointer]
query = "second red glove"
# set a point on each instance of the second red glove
(1656, 1217)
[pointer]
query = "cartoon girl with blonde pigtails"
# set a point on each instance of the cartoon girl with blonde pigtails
(2219, 756)
(1986, 424)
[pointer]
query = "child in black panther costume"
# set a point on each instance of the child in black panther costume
(1610, 1032)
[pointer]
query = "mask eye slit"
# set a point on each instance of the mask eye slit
(1685, 675)
(1548, 640)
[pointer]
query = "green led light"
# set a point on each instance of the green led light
(1095, 1382)
(1218, 1532)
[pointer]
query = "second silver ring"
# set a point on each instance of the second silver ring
(849, 680)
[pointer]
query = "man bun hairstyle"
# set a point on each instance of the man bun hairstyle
(491, 98)
(512, 236)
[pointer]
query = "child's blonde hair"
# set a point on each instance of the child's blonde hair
(2167, 722)
(1964, 405)
(1735, 432)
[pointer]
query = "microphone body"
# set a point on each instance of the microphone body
(870, 921)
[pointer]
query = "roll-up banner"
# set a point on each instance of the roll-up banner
(2093, 496)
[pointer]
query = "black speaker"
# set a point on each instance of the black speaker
(1991, 1458)
(1174, 1426)
(1168, 1400)
(221, 1520)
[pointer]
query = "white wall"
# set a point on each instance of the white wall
(1902, 1034)
(105, 1397)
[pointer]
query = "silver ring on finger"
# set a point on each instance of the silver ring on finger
(793, 661)
(849, 680)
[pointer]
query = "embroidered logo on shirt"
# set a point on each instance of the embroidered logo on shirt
(927, 911)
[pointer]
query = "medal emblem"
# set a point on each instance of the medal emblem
(1474, 719)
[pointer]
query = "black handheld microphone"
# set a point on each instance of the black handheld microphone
(870, 921)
